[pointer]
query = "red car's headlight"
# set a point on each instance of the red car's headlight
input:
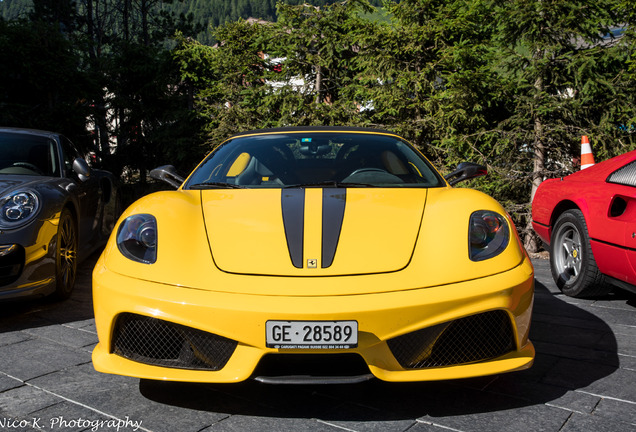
(488, 235)
(137, 238)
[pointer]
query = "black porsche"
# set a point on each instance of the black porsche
(54, 211)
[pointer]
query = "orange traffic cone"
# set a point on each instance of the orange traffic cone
(587, 158)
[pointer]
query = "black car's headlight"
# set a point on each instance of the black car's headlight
(488, 235)
(18, 208)
(137, 238)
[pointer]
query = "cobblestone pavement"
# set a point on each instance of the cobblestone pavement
(583, 379)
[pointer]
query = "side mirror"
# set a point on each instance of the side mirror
(81, 168)
(168, 174)
(465, 171)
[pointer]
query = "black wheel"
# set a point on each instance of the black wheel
(571, 259)
(65, 256)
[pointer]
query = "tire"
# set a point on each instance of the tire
(65, 256)
(571, 259)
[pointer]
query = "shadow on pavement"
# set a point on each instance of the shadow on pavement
(575, 348)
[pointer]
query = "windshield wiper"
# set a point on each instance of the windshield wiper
(330, 183)
(215, 185)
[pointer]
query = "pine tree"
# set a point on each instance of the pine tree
(560, 74)
(318, 46)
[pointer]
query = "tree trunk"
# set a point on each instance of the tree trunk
(318, 84)
(144, 23)
(125, 19)
(530, 241)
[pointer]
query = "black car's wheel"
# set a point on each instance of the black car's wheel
(571, 259)
(66, 256)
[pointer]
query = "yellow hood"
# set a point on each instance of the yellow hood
(243, 232)
(312, 232)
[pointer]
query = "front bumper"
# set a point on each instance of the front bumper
(27, 261)
(389, 323)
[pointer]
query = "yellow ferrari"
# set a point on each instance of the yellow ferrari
(314, 255)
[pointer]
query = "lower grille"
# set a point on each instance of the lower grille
(467, 340)
(161, 343)
(316, 368)
(11, 263)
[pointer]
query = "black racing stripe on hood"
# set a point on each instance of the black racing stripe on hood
(333, 208)
(293, 207)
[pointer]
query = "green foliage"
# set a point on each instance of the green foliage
(427, 73)
(101, 73)
(626, 9)
(201, 14)
(276, 74)
(154, 126)
(40, 85)
(318, 45)
(227, 78)
(15, 9)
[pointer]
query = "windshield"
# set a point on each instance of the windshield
(25, 154)
(306, 159)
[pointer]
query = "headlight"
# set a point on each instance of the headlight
(137, 238)
(488, 235)
(18, 208)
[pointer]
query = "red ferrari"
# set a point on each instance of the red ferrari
(589, 221)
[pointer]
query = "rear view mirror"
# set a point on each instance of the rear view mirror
(314, 150)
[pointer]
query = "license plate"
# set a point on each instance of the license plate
(311, 334)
